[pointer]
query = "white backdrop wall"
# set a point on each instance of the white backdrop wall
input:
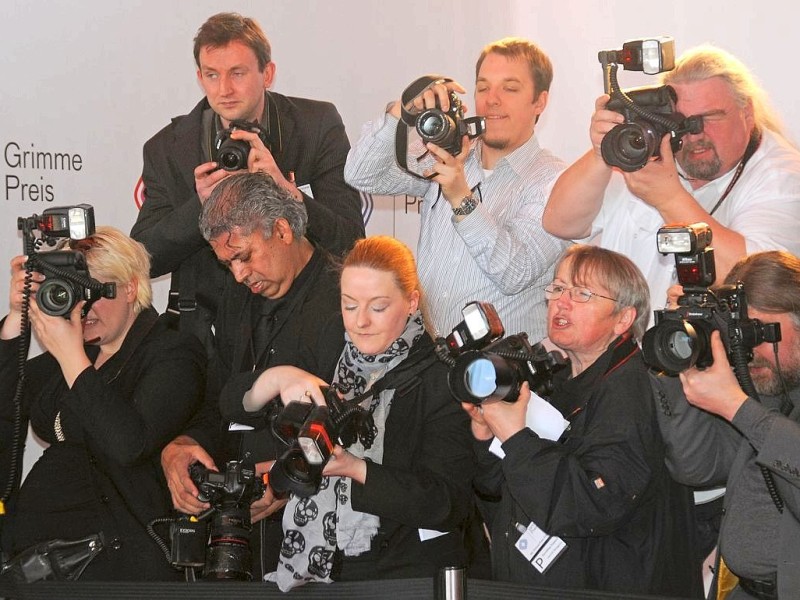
(95, 79)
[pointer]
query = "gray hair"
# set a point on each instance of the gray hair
(707, 61)
(623, 279)
(250, 201)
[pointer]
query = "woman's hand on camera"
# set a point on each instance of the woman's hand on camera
(63, 338)
(480, 430)
(290, 383)
(344, 464)
(507, 418)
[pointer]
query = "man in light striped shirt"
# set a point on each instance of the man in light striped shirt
(481, 236)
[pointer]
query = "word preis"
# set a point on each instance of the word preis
(24, 187)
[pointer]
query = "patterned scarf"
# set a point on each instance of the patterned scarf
(315, 526)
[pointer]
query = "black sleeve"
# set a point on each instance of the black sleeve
(433, 490)
(588, 485)
(169, 387)
(167, 223)
(334, 212)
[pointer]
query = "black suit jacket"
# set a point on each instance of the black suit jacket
(314, 147)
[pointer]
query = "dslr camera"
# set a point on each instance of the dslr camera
(447, 128)
(649, 111)
(67, 279)
(484, 365)
(681, 337)
(310, 433)
(230, 154)
(218, 541)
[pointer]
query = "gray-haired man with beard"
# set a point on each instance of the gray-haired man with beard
(723, 436)
(739, 175)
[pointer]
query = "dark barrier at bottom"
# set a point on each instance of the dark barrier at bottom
(396, 589)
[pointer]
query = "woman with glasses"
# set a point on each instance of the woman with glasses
(112, 387)
(594, 509)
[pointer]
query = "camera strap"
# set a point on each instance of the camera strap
(408, 120)
(752, 146)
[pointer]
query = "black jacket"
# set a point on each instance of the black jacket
(424, 481)
(603, 488)
(106, 474)
(314, 147)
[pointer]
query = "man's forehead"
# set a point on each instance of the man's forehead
(235, 241)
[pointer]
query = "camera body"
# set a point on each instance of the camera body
(487, 366)
(310, 433)
(67, 279)
(447, 128)
(649, 111)
(230, 154)
(222, 546)
(681, 337)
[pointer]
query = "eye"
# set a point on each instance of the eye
(379, 309)
(557, 289)
(582, 293)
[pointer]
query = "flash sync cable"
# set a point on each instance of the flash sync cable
(20, 424)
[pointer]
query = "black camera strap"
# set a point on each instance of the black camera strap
(752, 146)
(403, 378)
(408, 120)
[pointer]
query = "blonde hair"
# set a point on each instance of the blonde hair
(113, 256)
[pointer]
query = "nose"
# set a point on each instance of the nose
(239, 272)
(565, 299)
(225, 86)
(362, 318)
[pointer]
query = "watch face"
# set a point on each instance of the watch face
(468, 204)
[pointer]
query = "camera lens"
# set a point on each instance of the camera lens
(56, 297)
(629, 146)
(478, 376)
(293, 473)
(675, 345)
(232, 154)
(435, 126)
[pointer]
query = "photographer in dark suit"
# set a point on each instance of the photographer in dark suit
(282, 309)
(303, 147)
(723, 436)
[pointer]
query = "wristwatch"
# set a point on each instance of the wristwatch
(468, 204)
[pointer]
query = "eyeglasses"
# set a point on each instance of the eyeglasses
(578, 294)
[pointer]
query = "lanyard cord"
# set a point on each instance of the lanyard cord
(755, 140)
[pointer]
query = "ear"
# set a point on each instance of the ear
(413, 302)
(749, 114)
(283, 231)
(625, 320)
(130, 288)
(541, 102)
(269, 74)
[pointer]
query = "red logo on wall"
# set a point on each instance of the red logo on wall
(138, 193)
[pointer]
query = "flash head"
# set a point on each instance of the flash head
(683, 239)
(651, 55)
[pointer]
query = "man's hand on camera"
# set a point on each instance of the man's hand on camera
(603, 121)
(436, 94)
(268, 503)
(716, 388)
(448, 172)
(260, 160)
(175, 460)
(206, 178)
(658, 182)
